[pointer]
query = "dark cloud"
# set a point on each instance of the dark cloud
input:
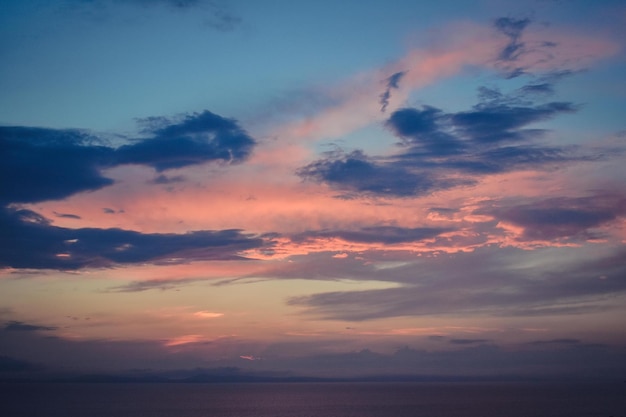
(39, 164)
(544, 84)
(198, 138)
(414, 123)
(18, 326)
(542, 88)
(392, 82)
(30, 241)
(424, 132)
(440, 150)
(563, 217)
(356, 173)
(518, 57)
(444, 210)
(376, 234)
(495, 122)
(42, 164)
(512, 28)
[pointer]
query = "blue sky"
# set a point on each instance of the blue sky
(290, 186)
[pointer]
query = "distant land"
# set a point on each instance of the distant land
(237, 375)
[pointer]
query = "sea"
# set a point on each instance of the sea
(336, 399)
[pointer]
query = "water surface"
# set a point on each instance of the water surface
(313, 400)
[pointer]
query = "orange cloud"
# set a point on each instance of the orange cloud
(183, 340)
(207, 314)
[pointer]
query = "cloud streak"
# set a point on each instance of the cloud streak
(477, 283)
(29, 241)
(392, 82)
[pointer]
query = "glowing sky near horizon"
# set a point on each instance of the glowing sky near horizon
(324, 188)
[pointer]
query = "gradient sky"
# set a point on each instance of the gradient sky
(316, 187)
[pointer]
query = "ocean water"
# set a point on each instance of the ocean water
(313, 400)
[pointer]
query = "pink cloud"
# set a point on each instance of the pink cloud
(458, 47)
(264, 194)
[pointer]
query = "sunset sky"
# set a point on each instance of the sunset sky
(326, 188)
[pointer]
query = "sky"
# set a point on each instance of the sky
(317, 188)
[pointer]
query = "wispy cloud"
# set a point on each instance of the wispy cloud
(391, 83)
(18, 326)
(487, 281)
(215, 14)
(358, 102)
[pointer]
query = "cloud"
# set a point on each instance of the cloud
(198, 138)
(392, 83)
(67, 216)
(496, 118)
(164, 180)
(214, 14)
(46, 164)
(207, 314)
(29, 241)
(468, 341)
(423, 131)
(375, 234)
(438, 150)
(356, 173)
(18, 326)
(545, 48)
(508, 46)
(160, 284)
(488, 123)
(43, 164)
(562, 217)
(489, 281)
(513, 29)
